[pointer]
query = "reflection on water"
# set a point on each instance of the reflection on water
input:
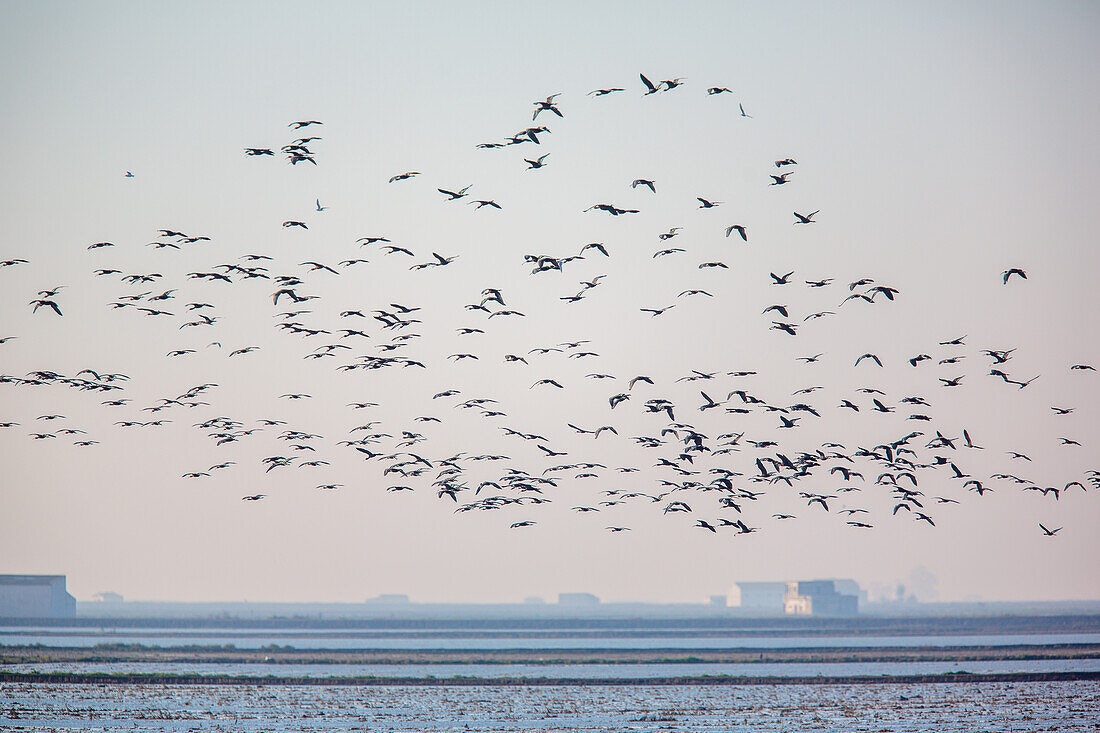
(1067, 707)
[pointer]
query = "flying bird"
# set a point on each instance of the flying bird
(739, 229)
(547, 106)
(454, 195)
(537, 163)
(45, 303)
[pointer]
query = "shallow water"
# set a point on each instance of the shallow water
(570, 671)
(970, 707)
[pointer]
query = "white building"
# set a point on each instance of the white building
(757, 596)
(818, 598)
(834, 597)
(35, 596)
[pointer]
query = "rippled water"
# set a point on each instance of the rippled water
(944, 708)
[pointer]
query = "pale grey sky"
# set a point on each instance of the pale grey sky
(943, 144)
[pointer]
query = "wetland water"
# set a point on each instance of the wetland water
(944, 708)
(568, 654)
(568, 671)
(451, 681)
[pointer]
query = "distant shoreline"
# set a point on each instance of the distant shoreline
(65, 678)
(140, 654)
(431, 621)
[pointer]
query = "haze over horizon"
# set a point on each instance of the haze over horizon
(942, 144)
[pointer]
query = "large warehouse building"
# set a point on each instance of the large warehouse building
(766, 597)
(837, 597)
(818, 598)
(35, 596)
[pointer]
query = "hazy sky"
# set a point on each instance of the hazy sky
(942, 143)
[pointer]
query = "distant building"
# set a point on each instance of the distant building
(35, 596)
(717, 601)
(108, 597)
(818, 598)
(851, 588)
(577, 599)
(391, 598)
(534, 600)
(757, 596)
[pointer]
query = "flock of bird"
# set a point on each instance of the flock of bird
(719, 442)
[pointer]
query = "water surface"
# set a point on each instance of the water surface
(569, 671)
(1067, 707)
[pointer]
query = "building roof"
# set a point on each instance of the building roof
(30, 579)
(761, 586)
